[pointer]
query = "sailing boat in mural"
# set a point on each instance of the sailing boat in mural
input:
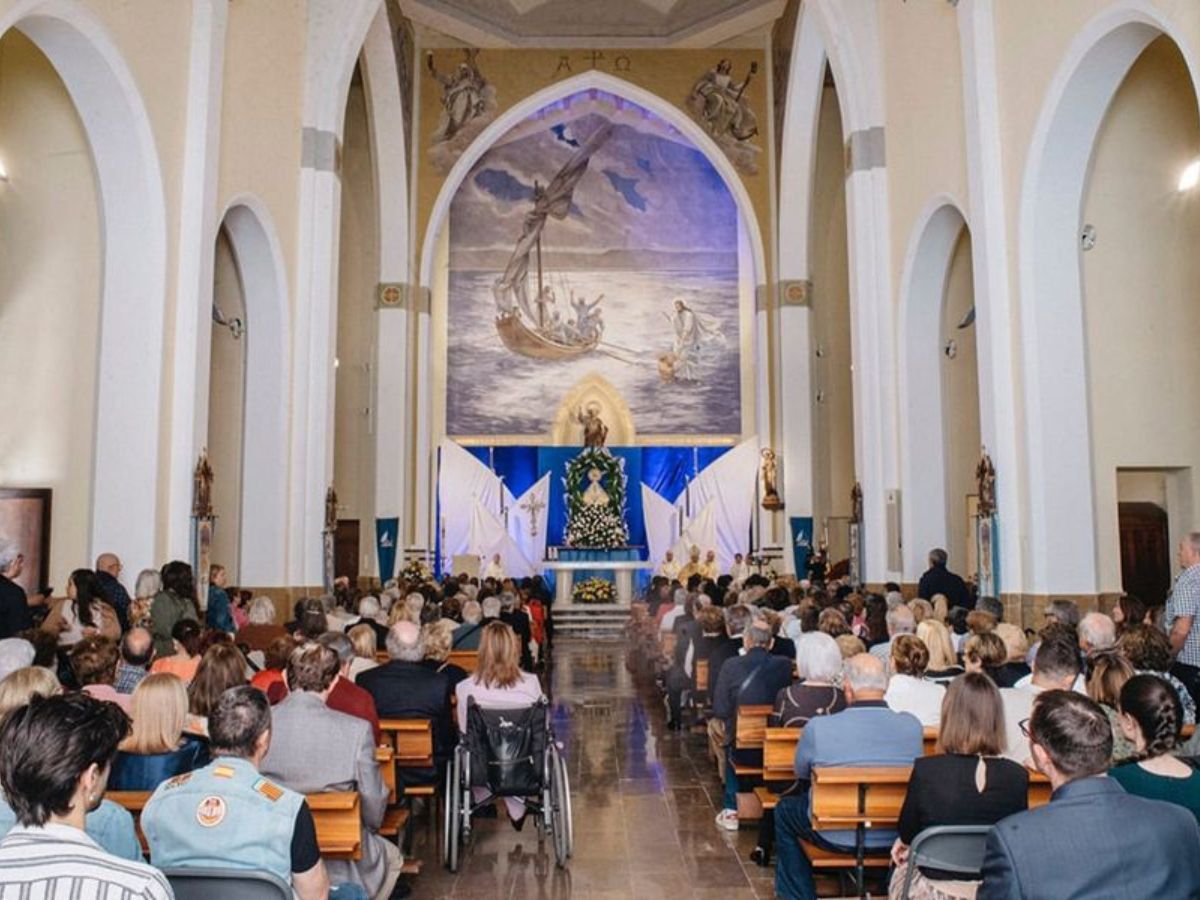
(535, 328)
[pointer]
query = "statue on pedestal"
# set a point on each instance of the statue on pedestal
(595, 432)
(202, 479)
(985, 475)
(770, 481)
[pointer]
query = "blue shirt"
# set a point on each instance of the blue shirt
(219, 615)
(865, 734)
(109, 825)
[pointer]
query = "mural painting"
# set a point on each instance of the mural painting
(720, 103)
(593, 239)
(468, 105)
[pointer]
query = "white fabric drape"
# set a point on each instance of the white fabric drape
(527, 519)
(487, 537)
(463, 481)
(701, 531)
(662, 523)
(728, 485)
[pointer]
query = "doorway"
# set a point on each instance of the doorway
(1145, 551)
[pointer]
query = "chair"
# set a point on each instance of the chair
(952, 848)
(228, 884)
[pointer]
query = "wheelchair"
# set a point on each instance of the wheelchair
(508, 753)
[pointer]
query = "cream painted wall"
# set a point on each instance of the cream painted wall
(1141, 301)
(226, 409)
(50, 274)
(354, 448)
(833, 419)
(960, 400)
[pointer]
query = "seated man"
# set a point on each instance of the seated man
(403, 688)
(346, 696)
(466, 636)
(94, 662)
(1055, 667)
(137, 652)
(227, 815)
(1078, 845)
(755, 677)
(316, 749)
(518, 620)
(48, 853)
(866, 733)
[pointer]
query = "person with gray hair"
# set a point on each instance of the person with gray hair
(1065, 612)
(403, 688)
(345, 696)
(491, 608)
(991, 606)
(1096, 632)
(1179, 618)
(938, 579)
(754, 678)
(467, 635)
(15, 616)
(900, 620)
(866, 733)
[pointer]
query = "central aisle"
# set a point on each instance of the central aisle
(644, 806)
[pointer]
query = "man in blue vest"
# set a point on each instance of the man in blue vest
(227, 815)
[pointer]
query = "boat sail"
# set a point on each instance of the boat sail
(522, 327)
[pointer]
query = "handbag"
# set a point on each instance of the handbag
(506, 748)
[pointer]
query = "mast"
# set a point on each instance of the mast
(541, 300)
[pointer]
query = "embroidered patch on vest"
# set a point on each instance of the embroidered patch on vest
(271, 791)
(179, 779)
(223, 772)
(211, 811)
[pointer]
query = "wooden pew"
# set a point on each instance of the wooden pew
(467, 660)
(701, 679)
(930, 738)
(749, 732)
(667, 641)
(779, 762)
(337, 815)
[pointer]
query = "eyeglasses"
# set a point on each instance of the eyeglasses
(1024, 726)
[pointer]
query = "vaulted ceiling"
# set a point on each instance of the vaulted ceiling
(682, 23)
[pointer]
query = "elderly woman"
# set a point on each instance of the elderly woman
(146, 588)
(261, 628)
(818, 693)
(436, 638)
(366, 647)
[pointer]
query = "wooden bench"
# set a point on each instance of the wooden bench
(749, 732)
(336, 814)
(667, 641)
(701, 679)
(779, 762)
(467, 660)
(930, 737)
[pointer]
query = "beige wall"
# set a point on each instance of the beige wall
(226, 409)
(354, 451)
(49, 297)
(1141, 301)
(960, 399)
(833, 418)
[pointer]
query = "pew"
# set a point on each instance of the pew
(930, 738)
(467, 660)
(410, 743)
(779, 762)
(667, 641)
(749, 733)
(337, 816)
(701, 667)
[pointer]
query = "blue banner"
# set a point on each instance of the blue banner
(802, 543)
(387, 536)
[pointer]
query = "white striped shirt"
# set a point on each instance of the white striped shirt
(58, 862)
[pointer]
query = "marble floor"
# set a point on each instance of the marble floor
(644, 802)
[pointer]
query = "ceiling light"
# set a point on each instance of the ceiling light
(1191, 175)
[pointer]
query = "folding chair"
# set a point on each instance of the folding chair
(952, 848)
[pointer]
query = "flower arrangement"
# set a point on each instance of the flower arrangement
(595, 526)
(601, 527)
(416, 571)
(594, 590)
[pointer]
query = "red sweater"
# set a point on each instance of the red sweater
(349, 698)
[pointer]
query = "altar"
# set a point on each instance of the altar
(622, 566)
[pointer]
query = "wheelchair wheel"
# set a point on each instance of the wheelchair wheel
(566, 801)
(451, 831)
(560, 809)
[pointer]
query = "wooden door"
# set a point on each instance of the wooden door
(345, 550)
(1145, 551)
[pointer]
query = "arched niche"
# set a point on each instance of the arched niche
(123, 511)
(1061, 537)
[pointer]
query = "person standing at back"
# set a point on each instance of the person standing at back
(940, 580)
(176, 600)
(1092, 840)
(15, 615)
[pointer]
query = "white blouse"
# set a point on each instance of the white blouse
(917, 696)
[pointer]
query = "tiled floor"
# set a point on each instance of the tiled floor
(644, 802)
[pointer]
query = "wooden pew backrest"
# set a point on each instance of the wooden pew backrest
(779, 753)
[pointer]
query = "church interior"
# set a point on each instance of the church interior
(586, 304)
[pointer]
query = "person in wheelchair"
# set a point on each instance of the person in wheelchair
(499, 683)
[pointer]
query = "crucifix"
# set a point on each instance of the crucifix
(534, 507)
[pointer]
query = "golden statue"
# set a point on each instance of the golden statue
(985, 475)
(770, 481)
(202, 479)
(595, 432)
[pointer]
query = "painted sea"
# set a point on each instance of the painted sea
(493, 391)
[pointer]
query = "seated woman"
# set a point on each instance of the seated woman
(269, 679)
(817, 693)
(909, 690)
(966, 782)
(366, 645)
(436, 638)
(1151, 717)
(185, 637)
(1110, 671)
(1015, 667)
(943, 661)
(984, 653)
(1149, 649)
(221, 668)
(499, 683)
(157, 749)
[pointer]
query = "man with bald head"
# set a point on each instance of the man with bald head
(865, 733)
(108, 572)
(402, 688)
(137, 652)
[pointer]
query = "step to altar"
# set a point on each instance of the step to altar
(591, 620)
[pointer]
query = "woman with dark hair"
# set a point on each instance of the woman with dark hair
(1129, 610)
(185, 638)
(1110, 671)
(83, 613)
(176, 600)
(876, 621)
(966, 782)
(1149, 649)
(1152, 717)
(221, 668)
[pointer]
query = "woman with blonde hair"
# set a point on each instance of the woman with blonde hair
(941, 607)
(17, 688)
(1110, 671)
(366, 645)
(437, 639)
(1017, 645)
(943, 662)
(499, 683)
(967, 782)
(157, 749)
(984, 653)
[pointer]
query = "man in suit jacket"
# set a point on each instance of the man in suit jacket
(315, 749)
(736, 620)
(15, 615)
(518, 621)
(940, 580)
(1092, 839)
(405, 689)
(866, 733)
(755, 677)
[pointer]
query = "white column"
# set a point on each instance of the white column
(194, 284)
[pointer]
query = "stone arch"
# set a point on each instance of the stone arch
(263, 511)
(923, 450)
(1061, 540)
(128, 405)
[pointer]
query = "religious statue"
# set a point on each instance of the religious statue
(202, 479)
(770, 481)
(856, 503)
(595, 495)
(985, 475)
(595, 432)
(331, 515)
(463, 94)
